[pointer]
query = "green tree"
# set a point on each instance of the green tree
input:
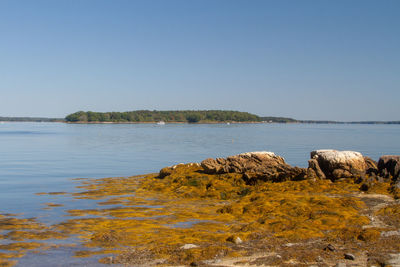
(193, 118)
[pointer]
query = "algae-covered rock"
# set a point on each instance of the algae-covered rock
(254, 166)
(164, 172)
(337, 164)
(389, 166)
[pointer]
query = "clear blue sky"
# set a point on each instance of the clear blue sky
(337, 60)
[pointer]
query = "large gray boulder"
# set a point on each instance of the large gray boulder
(333, 164)
(254, 166)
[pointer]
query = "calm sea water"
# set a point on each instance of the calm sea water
(43, 157)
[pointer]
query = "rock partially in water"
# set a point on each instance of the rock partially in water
(334, 164)
(255, 166)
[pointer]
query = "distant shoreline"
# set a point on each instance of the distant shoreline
(212, 122)
(168, 122)
(178, 117)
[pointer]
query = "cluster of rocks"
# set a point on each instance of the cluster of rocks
(255, 166)
(334, 165)
(324, 164)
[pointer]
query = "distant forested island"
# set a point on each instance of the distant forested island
(191, 116)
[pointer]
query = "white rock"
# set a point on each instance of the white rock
(339, 164)
(335, 156)
(238, 240)
(189, 246)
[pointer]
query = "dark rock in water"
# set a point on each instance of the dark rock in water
(255, 166)
(349, 256)
(389, 166)
(334, 164)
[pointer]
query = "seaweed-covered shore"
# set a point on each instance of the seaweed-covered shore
(249, 209)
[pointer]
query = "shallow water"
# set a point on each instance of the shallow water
(45, 157)
(41, 157)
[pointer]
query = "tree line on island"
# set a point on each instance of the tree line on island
(191, 116)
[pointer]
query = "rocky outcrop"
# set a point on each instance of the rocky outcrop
(372, 166)
(166, 171)
(314, 170)
(324, 164)
(333, 164)
(254, 166)
(389, 167)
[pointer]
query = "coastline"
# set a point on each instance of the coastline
(172, 122)
(214, 122)
(214, 214)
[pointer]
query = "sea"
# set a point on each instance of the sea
(48, 157)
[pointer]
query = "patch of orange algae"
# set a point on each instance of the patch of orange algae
(7, 263)
(10, 223)
(101, 188)
(19, 235)
(214, 207)
(144, 218)
(26, 231)
(391, 215)
(20, 246)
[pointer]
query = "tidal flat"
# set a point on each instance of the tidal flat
(193, 218)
